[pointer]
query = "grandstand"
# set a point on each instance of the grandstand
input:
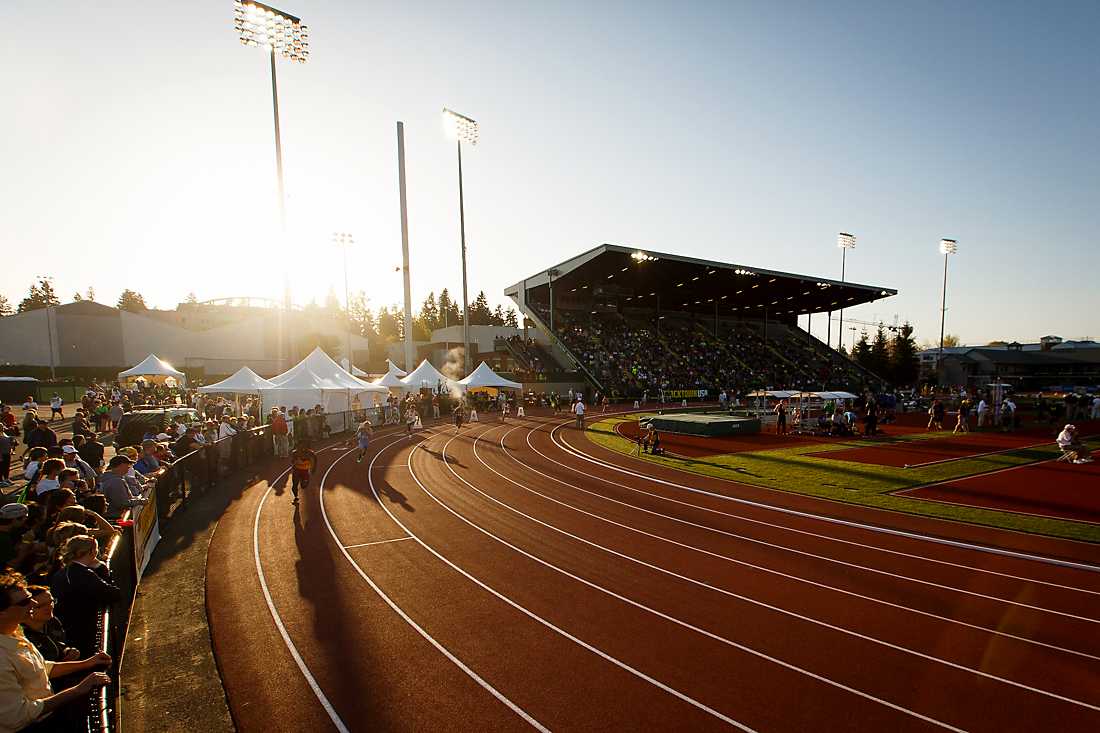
(637, 321)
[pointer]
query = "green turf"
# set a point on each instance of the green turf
(790, 469)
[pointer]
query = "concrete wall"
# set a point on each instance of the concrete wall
(25, 339)
(89, 340)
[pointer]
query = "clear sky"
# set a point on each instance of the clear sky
(138, 148)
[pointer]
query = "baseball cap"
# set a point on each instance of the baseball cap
(163, 436)
(13, 511)
(68, 449)
(118, 460)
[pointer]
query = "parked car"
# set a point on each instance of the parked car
(136, 423)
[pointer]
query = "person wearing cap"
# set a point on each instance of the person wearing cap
(1073, 449)
(148, 462)
(91, 451)
(188, 442)
(119, 492)
(73, 460)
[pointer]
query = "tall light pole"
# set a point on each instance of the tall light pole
(947, 247)
(846, 242)
(462, 129)
(277, 33)
(344, 241)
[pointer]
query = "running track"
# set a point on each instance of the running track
(517, 576)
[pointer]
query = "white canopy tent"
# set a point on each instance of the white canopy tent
(483, 376)
(835, 395)
(153, 369)
(318, 380)
(244, 381)
(426, 376)
(392, 379)
(391, 367)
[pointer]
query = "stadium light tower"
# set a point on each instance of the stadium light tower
(947, 247)
(344, 241)
(283, 34)
(462, 129)
(846, 242)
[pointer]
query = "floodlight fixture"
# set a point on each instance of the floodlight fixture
(262, 25)
(948, 246)
(460, 127)
(640, 257)
(844, 240)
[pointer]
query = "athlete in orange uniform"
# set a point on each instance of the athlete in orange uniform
(302, 462)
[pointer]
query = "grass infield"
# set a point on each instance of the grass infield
(792, 469)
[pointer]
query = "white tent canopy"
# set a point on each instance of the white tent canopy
(835, 395)
(391, 367)
(155, 370)
(483, 376)
(392, 378)
(317, 380)
(426, 376)
(245, 381)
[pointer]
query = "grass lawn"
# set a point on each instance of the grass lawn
(790, 469)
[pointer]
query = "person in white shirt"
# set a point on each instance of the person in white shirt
(225, 432)
(1072, 448)
(983, 413)
(1008, 414)
(578, 410)
(55, 408)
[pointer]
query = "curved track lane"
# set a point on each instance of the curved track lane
(516, 576)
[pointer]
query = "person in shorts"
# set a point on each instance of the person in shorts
(302, 462)
(362, 438)
(458, 417)
(55, 407)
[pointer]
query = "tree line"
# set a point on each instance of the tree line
(894, 358)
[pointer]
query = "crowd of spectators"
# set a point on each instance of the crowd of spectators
(636, 354)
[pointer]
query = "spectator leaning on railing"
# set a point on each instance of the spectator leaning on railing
(119, 492)
(83, 588)
(26, 697)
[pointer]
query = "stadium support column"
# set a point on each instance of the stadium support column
(658, 315)
(409, 356)
(715, 318)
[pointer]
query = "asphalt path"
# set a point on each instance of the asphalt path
(516, 575)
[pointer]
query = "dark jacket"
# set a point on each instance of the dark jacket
(41, 437)
(81, 594)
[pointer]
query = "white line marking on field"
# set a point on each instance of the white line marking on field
(769, 606)
(569, 448)
(336, 721)
(531, 614)
(795, 530)
(378, 542)
(397, 609)
(754, 566)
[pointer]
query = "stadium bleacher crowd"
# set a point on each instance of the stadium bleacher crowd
(635, 354)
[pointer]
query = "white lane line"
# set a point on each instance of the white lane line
(397, 609)
(793, 530)
(531, 614)
(950, 588)
(377, 542)
(569, 448)
(744, 563)
(310, 679)
(679, 622)
(769, 606)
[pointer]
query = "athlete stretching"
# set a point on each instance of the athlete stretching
(302, 462)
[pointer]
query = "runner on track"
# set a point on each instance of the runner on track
(362, 437)
(302, 462)
(458, 417)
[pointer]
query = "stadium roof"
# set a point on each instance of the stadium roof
(638, 278)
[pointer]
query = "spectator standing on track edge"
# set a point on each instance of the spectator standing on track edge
(578, 410)
(780, 418)
(280, 433)
(302, 462)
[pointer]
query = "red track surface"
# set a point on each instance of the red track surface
(1048, 489)
(917, 452)
(536, 580)
(698, 446)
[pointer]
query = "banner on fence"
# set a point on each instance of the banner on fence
(681, 394)
(146, 531)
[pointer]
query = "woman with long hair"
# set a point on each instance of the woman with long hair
(83, 588)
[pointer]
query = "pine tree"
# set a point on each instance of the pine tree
(191, 297)
(904, 367)
(388, 328)
(41, 295)
(77, 297)
(132, 301)
(5, 307)
(498, 316)
(428, 318)
(510, 319)
(449, 314)
(90, 294)
(862, 351)
(480, 315)
(880, 353)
